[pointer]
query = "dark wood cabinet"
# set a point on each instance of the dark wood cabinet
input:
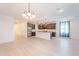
(31, 25)
(33, 34)
(47, 26)
(53, 34)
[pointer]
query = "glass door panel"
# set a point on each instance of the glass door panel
(65, 29)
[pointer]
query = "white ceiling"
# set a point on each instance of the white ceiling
(42, 10)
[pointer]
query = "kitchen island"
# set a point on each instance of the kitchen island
(44, 35)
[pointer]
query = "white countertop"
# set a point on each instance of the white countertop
(44, 30)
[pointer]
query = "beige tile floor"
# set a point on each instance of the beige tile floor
(40, 47)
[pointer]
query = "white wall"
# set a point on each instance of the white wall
(57, 28)
(74, 29)
(6, 29)
(21, 29)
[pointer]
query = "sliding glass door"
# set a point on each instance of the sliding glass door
(64, 29)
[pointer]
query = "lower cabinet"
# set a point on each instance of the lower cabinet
(33, 34)
(53, 34)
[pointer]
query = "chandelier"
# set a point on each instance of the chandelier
(44, 21)
(28, 14)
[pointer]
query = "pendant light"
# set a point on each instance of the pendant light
(28, 14)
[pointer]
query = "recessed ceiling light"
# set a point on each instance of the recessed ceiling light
(60, 10)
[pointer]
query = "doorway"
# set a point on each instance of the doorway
(64, 29)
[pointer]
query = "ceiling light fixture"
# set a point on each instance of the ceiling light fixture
(60, 10)
(28, 14)
(43, 21)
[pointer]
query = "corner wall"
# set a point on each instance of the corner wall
(74, 29)
(21, 29)
(6, 29)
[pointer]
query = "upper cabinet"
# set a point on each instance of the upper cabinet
(47, 26)
(31, 25)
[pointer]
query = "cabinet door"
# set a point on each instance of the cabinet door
(33, 33)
